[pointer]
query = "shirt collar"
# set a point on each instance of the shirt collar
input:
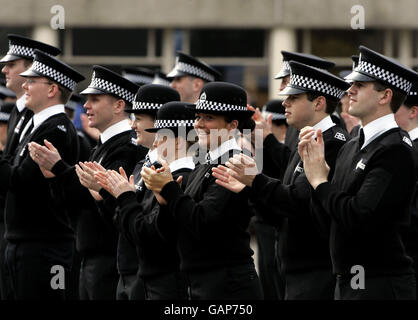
(153, 155)
(223, 148)
(185, 162)
(40, 117)
(324, 124)
(413, 134)
(377, 127)
(20, 103)
(115, 129)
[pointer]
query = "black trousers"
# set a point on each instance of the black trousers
(225, 283)
(271, 280)
(5, 290)
(130, 287)
(98, 277)
(312, 285)
(399, 287)
(30, 267)
(170, 286)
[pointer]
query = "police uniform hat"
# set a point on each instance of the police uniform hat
(190, 66)
(57, 71)
(412, 97)
(223, 98)
(174, 115)
(345, 73)
(105, 81)
(304, 58)
(74, 101)
(151, 97)
(24, 48)
(5, 111)
(276, 109)
(373, 66)
(305, 78)
(139, 76)
(4, 91)
(161, 78)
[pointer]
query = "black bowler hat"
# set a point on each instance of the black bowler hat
(305, 78)
(139, 76)
(4, 91)
(161, 78)
(24, 48)
(190, 66)
(223, 98)
(276, 109)
(174, 115)
(74, 101)
(151, 97)
(373, 66)
(5, 110)
(105, 81)
(304, 58)
(49, 67)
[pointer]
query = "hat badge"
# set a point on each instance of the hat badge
(203, 97)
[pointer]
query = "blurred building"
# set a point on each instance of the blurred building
(242, 38)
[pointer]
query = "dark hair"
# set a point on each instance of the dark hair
(65, 94)
(397, 96)
(243, 122)
(410, 104)
(331, 102)
(280, 122)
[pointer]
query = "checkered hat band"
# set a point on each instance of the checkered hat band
(4, 116)
(112, 88)
(412, 93)
(316, 85)
(145, 106)
(286, 67)
(158, 124)
(57, 76)
(217, 106)
(385, 75)
(138, 78)
(188, 68)
(17, 50)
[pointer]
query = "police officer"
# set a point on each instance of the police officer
(108, 96)
(38, 232)
(369, 196)
(189, 75)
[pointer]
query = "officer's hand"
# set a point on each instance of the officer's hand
(243, 168)
(45, 156)
(85, 172)
(260, 122)
(154, 179)
(225, 180)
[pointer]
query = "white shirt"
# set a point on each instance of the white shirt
(185, 162)
(377, 127)
(41, 117)
(413, 134)
(21, 103)
(115, 129)
(153, 155)
(324, 124)
(223, 148)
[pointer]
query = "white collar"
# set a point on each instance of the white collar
(377, 127)
(231, 144)
(413, 134)
(115, 129)
(40, 117)
(324, 124)
(153, 155)
(185, 162)
(21, 103)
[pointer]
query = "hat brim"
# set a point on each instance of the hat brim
(12, 57)
(176, 73)
(288, 90)
(31, 73)
(358, 76)
(90, 90)
(281, 75)
(154, 130)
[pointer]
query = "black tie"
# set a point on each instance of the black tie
(361, 138)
